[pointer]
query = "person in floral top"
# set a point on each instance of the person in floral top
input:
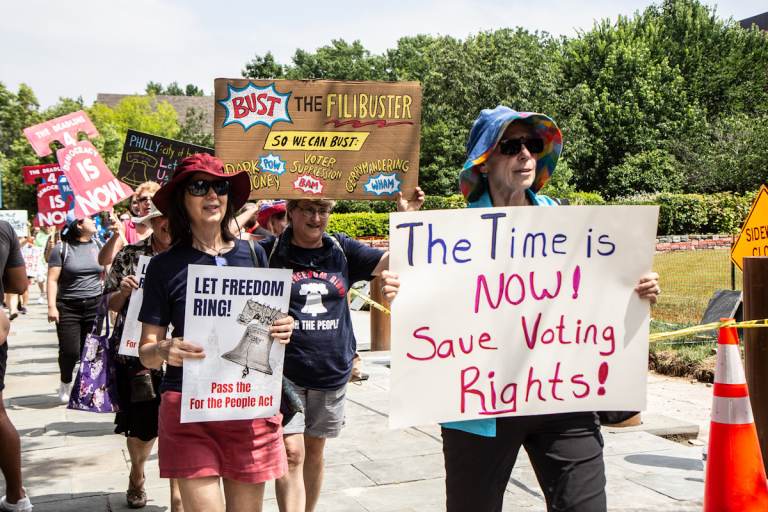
(139, 405)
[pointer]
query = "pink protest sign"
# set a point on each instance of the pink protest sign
(95, 187)
(63, 129)
(51, 208)
(537, 312)
(34, 172)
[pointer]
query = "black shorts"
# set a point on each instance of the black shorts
(3, 363)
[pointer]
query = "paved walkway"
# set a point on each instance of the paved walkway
(73, 462)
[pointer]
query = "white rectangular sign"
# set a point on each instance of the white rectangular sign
(228, 312)
(531, 311)
(129, 341)
(18, 220)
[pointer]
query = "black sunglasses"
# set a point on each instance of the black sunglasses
(200, 188)
(511, 147)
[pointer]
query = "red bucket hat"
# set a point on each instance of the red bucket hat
(268, 209)
(239, 182)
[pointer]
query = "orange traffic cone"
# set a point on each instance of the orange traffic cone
(735, 479)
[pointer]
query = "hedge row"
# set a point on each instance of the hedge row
(679, 214)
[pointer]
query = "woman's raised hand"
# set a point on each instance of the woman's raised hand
(412, 204)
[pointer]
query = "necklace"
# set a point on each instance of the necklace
(207, 247)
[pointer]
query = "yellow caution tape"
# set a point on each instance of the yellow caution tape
(369, 300)
(747, 324)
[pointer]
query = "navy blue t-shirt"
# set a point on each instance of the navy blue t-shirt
(323, 344)
(165, 290)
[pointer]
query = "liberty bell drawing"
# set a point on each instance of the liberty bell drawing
(252, 351)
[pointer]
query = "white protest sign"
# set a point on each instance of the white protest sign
(129, 341)
(17, 219)
(228, 312)
(519, 311)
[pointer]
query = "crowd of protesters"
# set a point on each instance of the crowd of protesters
(201, 216)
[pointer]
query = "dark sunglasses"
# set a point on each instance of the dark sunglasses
(511, 147)
(200, 188)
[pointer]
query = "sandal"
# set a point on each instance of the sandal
(136, 497)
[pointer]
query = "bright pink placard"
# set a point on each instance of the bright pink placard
(63, 129)
(95, 187)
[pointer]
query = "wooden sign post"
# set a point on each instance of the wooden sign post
(318, 138)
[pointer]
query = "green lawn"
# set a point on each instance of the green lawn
(688, 279)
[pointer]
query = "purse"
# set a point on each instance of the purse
(95, 386)
(290, 403)
(142, 388)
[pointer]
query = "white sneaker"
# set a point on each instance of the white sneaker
(23, 505)
(40, 300)
(64, 391)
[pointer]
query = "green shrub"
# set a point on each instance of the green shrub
(649, 171)
(681, 214)
(359, 225)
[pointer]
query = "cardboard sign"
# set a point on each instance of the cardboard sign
(34, 172)
(148, 157)
(51, 208)
(228, 312)
(753, 239)
(537, 311)
(95, 188)
(64, 129)
(32, 256)
(17, 219)
(129, 341)
(343, 140)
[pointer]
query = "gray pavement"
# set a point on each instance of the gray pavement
(73, 462)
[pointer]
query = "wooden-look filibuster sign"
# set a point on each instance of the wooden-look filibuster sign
(312, 139)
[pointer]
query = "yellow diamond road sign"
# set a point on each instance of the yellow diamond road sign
(753, 239)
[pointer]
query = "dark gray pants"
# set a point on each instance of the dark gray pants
(566, 451)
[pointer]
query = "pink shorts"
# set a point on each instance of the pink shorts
(249, 451)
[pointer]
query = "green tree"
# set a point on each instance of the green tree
(263, 67)
(141, 113)
(173, 89)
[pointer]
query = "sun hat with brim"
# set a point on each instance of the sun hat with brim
(486, 132)
(153, 214)
(268, 209)
(239, 182)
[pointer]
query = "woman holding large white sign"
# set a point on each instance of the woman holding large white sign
(200, 201)
(510, 157)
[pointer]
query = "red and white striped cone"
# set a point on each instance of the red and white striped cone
(735, 477)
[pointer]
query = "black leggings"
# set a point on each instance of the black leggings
(76, 318)
(566, 451)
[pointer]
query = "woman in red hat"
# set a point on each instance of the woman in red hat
(200, 201)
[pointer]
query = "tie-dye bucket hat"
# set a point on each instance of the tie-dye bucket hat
(485, 134)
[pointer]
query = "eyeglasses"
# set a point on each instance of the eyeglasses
(511, 147)
(311, 212)
(200, 188)
(144, 199)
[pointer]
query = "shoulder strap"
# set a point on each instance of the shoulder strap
(64, 252)
(252, 250)
(274, 248)
(337, 243)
